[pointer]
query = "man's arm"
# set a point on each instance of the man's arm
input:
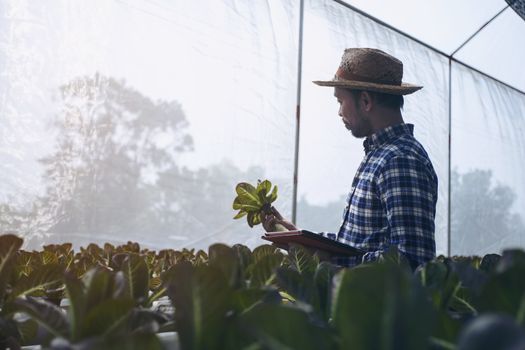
(408, 192)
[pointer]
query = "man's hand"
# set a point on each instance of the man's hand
(270, 220)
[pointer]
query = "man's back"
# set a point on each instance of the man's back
(392, 199)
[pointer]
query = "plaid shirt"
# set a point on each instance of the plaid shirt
(392, 200)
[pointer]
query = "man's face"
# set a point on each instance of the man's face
(352, 114)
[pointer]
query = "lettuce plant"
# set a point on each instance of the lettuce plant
(102, 313)
(254, 201)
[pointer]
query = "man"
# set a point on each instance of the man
(393, 196)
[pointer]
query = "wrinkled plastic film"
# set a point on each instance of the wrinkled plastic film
(488, 163)
(135, 120)
(329, 154)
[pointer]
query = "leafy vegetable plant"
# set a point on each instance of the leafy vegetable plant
(255, 201)
(236, 298)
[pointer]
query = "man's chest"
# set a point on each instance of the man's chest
(363, 201)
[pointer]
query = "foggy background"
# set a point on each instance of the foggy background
(134, 120)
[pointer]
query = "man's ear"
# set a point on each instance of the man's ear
(366, 101)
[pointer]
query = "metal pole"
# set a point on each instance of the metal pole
(477, 31)
(378, 21)
(298, 113)
(449, 214)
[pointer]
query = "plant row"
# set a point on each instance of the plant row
(236, 298)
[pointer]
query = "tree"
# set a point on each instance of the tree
(481, 218)
(112, 143)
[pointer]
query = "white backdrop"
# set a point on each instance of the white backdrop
(134, 119)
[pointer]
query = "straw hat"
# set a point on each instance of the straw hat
(372, 70)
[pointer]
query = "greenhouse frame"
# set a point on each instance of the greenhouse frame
(134, 120)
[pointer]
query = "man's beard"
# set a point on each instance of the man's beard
(360, 130)
(357, 134)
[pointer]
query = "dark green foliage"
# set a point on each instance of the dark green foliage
(490, 332)
(136, 274)
(285, 327)
(236, 298)
(308, 280)
(202, 298)
(375, 307)
(9, 246)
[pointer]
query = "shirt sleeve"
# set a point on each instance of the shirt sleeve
(408, 192)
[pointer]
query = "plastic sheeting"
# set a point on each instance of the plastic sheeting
(134, 120)
(329, 154)
(488, 165)
(498, 49)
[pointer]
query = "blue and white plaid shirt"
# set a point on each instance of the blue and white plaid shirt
(392, 200)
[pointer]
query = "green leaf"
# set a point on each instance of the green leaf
(511, 258)
(49, 257)
(244, 255)
(393, 256)
(246, 204)
(273, 196)
(109, 318)
(202, 298)
(240, 214)
(136, 273)
(251, 219)
(505, 293)
(75, 291)
(490, 332)
(256, 219)
(312, 289)
(262, 271)
(323, 277)
(264, 187)
(441, 282)
(224, 258)
(447, 328)
(9, 245)
(386, 296)
(244, 299)
(42, 278)
(46, 314)
(101, 284)
(10, 334)
(301, 288)
(147, 320)
(489, 262)
(263, 250)
(301, 260)
(29, 331)
(279, 327)
(247, 193)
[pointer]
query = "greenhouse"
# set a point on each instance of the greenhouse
(126, 125)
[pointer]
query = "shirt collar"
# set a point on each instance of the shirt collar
(387, 134)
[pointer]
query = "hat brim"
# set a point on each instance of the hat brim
(403, 89)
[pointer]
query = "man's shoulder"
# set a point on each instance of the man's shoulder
(404, 151)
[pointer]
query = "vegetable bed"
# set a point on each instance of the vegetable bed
(126, 297)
